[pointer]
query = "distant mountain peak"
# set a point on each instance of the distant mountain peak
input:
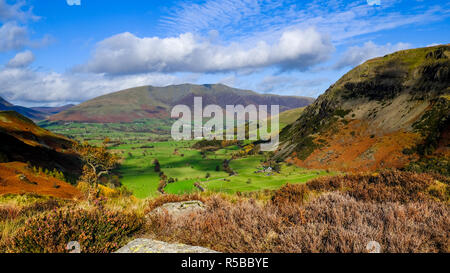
(34, 113)
(5, 103)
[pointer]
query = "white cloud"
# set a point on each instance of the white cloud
(15, 37)
(15, 12)
(31, 87)
(127, 54)
(13, 32)
(266, 18)
(358, 54)
(74, 2)
(22, 59)
(12, 37)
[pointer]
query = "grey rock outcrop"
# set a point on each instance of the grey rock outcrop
(152, 246)
(180, 208)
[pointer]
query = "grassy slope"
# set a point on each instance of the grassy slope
(290, 116)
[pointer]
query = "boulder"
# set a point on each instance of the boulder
(152, 246)
(180, 208)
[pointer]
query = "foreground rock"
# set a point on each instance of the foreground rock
(180, 208)
(152, 246)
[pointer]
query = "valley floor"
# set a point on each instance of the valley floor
(188, 166)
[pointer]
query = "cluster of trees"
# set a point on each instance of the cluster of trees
(250, 149)
(226, 167)
(164, 180)
(55, 173)
(217, 144)
(276, 167)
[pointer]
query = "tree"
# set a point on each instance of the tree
(276, 167)
(157, 166)
(97, 162)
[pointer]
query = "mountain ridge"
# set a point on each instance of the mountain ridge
(34, 113)
(155, 102)
(28, 112)
(388, 112)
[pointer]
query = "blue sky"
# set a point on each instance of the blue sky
(67, 51)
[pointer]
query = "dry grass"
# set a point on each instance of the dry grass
(386, 186)
(403, 211)
(330, 223)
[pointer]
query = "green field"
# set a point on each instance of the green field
(138, 173)
(94, 133)
(187, 166)
(139, 148)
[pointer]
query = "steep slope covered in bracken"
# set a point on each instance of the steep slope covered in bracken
(387, 112)
(23, 141)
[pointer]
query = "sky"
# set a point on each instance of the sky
(67, 51)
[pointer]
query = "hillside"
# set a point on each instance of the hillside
(52, 110)
(290, 116)
(28, 112)
(387, 112)
(17, 178)
(34, 113)
(23, 141)
(156, 102)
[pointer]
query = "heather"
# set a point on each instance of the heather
(97, 231)
(403, 211)
(333, 222)
(385, 186)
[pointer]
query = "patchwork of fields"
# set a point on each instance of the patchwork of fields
(95, 133)
(186, 166)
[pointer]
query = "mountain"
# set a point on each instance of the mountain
(52, 110)
(156, 102)
(28, 112)
(23, 141)
(34, 113)
(386, 113)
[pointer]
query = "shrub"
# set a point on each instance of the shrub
(98, 231)
(9, 212)
(437, 165)
(333, 222)
(40, 207)
(386, 186)
(295, 194)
